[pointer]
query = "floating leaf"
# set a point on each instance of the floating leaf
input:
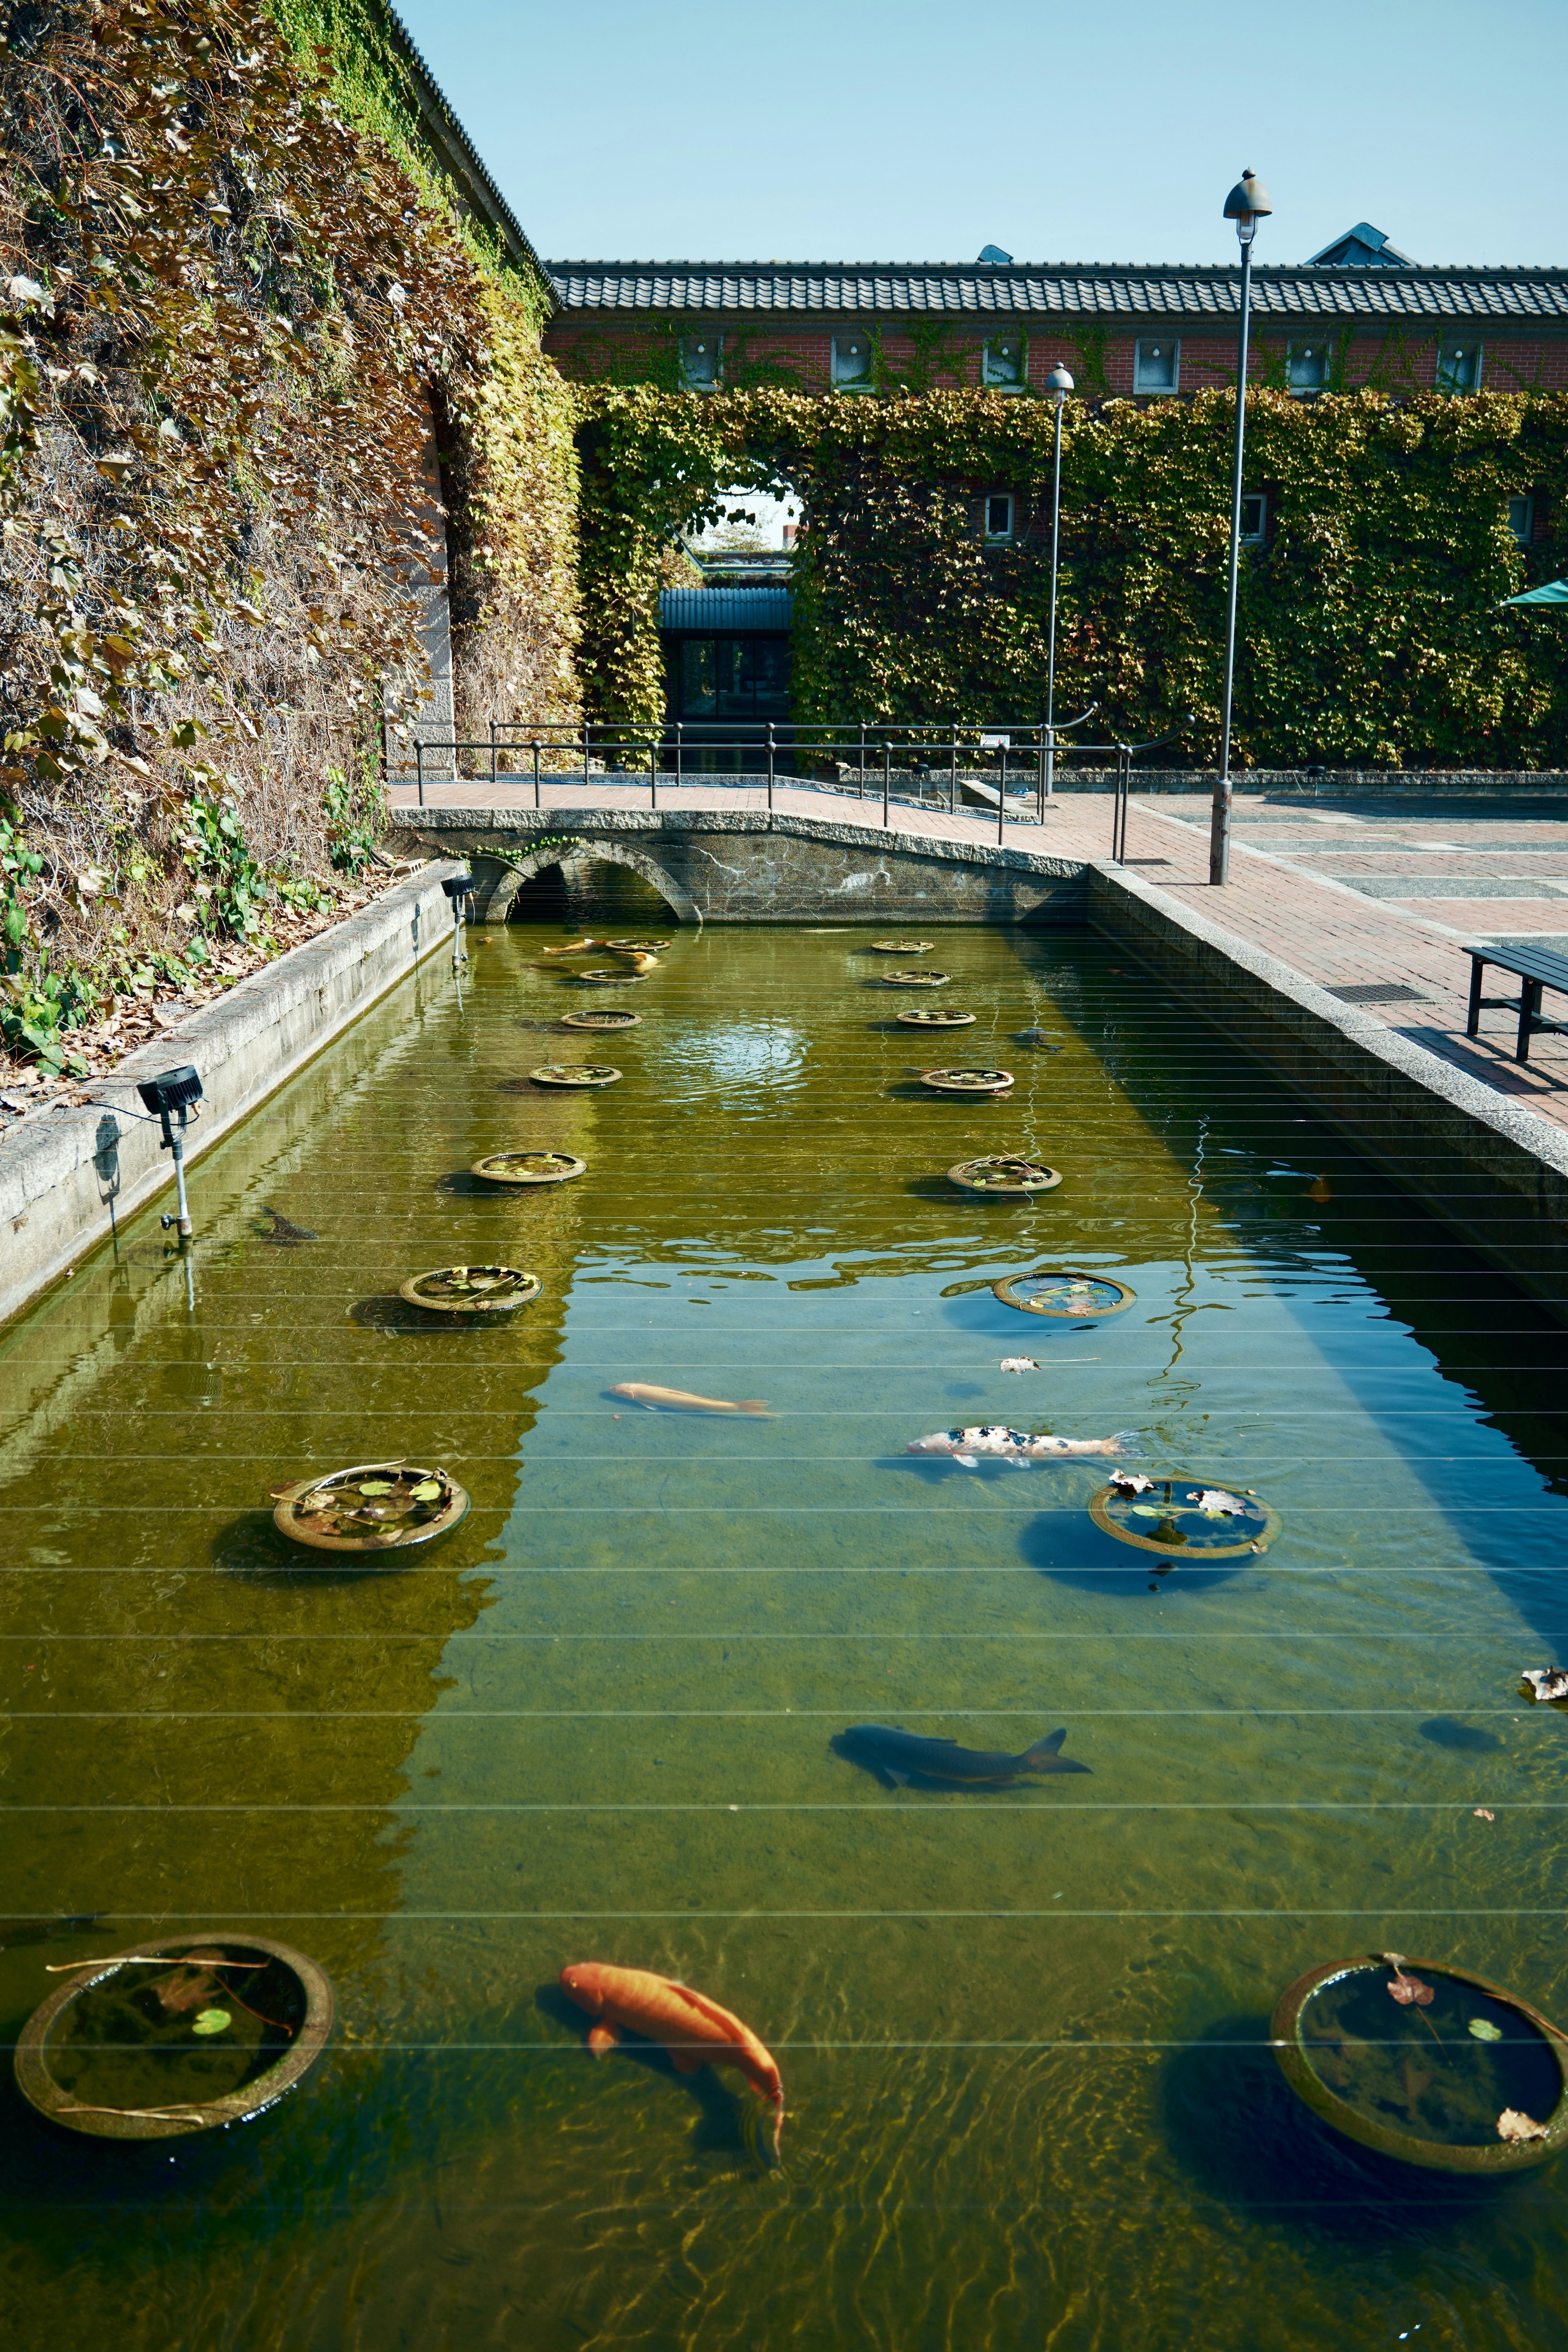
(427, 1491)
(1485, 2031)
(1546, 1683)
(1512, 2125)
(371, 1486)
(212, 2021)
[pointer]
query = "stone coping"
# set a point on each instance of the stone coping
(64, 1169)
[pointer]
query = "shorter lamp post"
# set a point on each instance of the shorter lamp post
(1247, 205)
(1058, 383)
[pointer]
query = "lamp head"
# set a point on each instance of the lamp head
(1058, 383)
(1247, 204)
(457, 886)
(173, 1091)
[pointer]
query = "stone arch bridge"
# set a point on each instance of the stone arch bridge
(753, 866)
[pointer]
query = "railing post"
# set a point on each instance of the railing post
(770, 763)
(1041, 732)
(536, 772)
(1002, 794)
(678, 762)
(419, 766)
(860, 771)
(653, 775)
(887, 775)
(585, 755)
(492, 751)
(953, 778)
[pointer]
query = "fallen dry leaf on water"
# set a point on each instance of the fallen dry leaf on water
(1512, 2124)
(1131, 1482)
(1404, 1989)
(1019, 1364)
(1482, 1814)
(1217, 1503)
(1546, 1682)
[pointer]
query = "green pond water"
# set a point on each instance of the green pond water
(1024, 2030)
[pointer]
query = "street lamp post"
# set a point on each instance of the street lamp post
(1247, 205)
(1058, 383)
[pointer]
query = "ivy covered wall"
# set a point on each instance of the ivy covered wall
(1370, 627)
(236, 292)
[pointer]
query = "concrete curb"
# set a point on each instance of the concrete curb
(63, 1172)
(1487, 1166)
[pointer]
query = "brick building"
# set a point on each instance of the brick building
(1359, 313)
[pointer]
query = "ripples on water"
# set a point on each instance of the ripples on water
(1021, 2030)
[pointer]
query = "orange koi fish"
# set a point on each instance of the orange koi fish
(693, 2029)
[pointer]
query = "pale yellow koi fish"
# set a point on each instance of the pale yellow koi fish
(681, 1401)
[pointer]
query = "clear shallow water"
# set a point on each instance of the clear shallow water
(1020, 2029)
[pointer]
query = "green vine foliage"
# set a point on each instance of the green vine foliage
(261, 381)
(1370, 627)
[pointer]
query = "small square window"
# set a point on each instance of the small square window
(1521, 519)
(1306, 366)
(999, 515)
(1156, 364)
(1254, 519)
(851, 359)
(1003, 362)
(1458, 367)
(699, 357)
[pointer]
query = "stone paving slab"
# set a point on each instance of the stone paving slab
(1293, 891)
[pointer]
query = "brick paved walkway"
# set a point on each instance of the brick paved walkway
(1361, 894)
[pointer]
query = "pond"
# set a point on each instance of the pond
(1022, 2023)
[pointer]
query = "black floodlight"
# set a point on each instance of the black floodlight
(459, 886)
(172, 1097)
(174, 1090)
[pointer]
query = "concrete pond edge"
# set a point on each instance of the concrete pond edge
(1489, 1166)
(68, 1174)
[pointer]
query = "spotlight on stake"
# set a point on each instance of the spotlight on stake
(173, 1099)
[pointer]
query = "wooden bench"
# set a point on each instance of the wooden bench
(1535, 968)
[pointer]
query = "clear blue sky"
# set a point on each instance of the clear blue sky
(903, 130)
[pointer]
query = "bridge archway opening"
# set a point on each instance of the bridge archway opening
(592, 892)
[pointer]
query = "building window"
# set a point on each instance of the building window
(851, 359)
(1306, 366)
(699, 356)
(999, 516)
(1458, 367)
(1521, 519)
(1003, 361)
(1156, 364)
(1254, 519)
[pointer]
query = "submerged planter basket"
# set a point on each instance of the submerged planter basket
(529, 1168)
(936, 1018)
(1058, 1290)
(175, 2036)
(584, 1073)
(1169, 1517)
(605, 978)
(600, 1019)
(1426, 2078)
(1005, 1178)
(471, 1289)
(901, 947)
(967, 1082)
(376, 1506)
(916, 979)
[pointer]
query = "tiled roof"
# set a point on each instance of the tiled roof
(1065, 290)
(725, 611)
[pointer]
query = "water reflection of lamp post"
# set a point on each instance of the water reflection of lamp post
(1247, 205)
(1058, 383)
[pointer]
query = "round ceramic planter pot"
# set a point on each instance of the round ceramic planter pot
(1430, 2077)
(1166, 1514)
(130, 2046)
(967, 1082)
(374, 1507)
(600, 1019)
(901, 947)
(529, 1168)
(605, 978)
(1002, 1178)
(635, 947)
(1063, 1291)
(471, 1289)
(916, 979)
(584, 1074)
(936, 1019)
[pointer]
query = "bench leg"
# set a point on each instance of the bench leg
(1477, 974)
(1528, 1006)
